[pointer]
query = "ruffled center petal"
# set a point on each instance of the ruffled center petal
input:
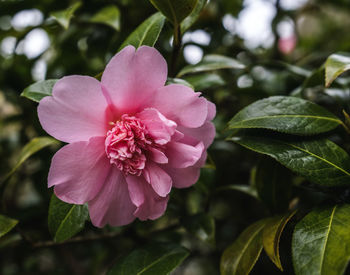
(135, 139)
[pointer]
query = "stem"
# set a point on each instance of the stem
(76, 240)
(176, 49)
(275, 21)
(81, 239)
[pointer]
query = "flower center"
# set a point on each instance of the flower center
(126, 144)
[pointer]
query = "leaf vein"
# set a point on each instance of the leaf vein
(279, 116)
(327, 236)
(319, 157)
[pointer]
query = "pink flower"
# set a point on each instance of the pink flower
(131, 139)
(286, 45)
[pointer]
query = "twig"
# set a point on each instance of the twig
(76, 240)
(109, 235)
(275, 21)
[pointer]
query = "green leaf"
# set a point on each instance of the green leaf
(285, 114)
(178, 81)
(205, 81)
(321, 241)
(63, 17)
(241, 256)
(271, 237)
(65, 220)
(247, 189)
(39, 90)
(6, 225)
(147, 33)
(192, 18)
(109, 15)
(320, 161)
(175, 11)
(202, 226)
(273, 184)
(296, 70)
(315, 80)
(33, 146)
(335, 65)
(157, 258)
(10, 240)
(212, 62)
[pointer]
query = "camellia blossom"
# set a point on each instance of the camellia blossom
(286, 45)
(131, 138)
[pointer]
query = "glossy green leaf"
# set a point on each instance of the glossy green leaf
(240, 257)
(178, 81)
(39, 90)
(271, 237)
(109, 15)
(6, 224)
(65, 220)
(147, 33)
(273, 184)
(335, 65)
(205, 81)
(320, 161)
(212, 62)
(157, 258)
(285, 114)
(192, 18)
(63, 17)
(202, 226)
(33, 146)
(175, 11)
(321, 241)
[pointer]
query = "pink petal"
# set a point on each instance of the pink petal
(158, 178)
(149, 204)
(136, 192)
(159, 127)
(187, 139)
(205, 133)
(177, 136)
(78, 170)
(112, 205)
(157, 155)
(183, 155)
(132, 77)
(211, 110)
(75, 111)
(201, 162)
(183, 178)
(180, 104)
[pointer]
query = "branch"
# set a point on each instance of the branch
(109, 235)
(79, 239)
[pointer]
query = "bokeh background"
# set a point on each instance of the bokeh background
(269, 36)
